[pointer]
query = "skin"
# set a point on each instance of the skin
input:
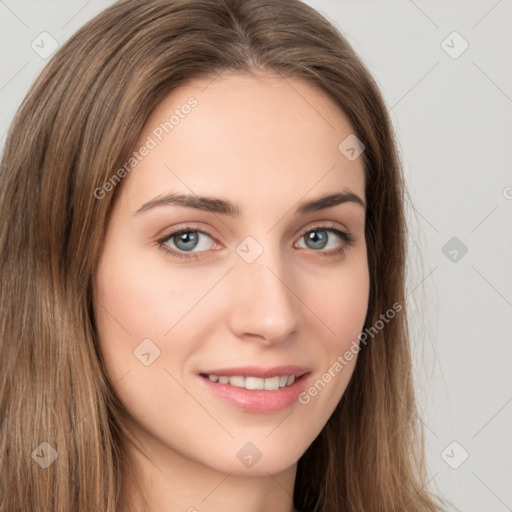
(266, 144)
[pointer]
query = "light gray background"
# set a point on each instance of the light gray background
(454, 126)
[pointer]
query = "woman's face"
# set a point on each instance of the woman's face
(258, 290)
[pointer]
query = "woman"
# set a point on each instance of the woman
(203, 251)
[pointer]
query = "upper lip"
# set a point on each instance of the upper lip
(258, 371)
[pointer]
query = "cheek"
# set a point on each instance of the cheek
(141, 296)
(341, 303)
(144, 296)
(341, 300)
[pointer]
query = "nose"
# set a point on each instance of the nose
(263, 304)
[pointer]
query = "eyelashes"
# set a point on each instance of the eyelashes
(345, 238)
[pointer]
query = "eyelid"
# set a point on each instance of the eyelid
(183, 229)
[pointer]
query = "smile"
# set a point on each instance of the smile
(255, 389)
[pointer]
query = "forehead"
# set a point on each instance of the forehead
(253, 138)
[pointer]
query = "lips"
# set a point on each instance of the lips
(257, 389)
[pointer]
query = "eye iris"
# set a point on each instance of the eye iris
(186, 237)
(318, 241)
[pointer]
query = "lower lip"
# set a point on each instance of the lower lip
(258, 400)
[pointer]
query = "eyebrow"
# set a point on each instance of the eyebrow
(225, 207)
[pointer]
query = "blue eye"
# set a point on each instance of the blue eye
(319, 238)
(188, 242)
(183, 241)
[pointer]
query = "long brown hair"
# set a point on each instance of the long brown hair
(77, 125)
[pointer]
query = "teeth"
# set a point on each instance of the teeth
(237, 381)
(254, 383)
(269, 384)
